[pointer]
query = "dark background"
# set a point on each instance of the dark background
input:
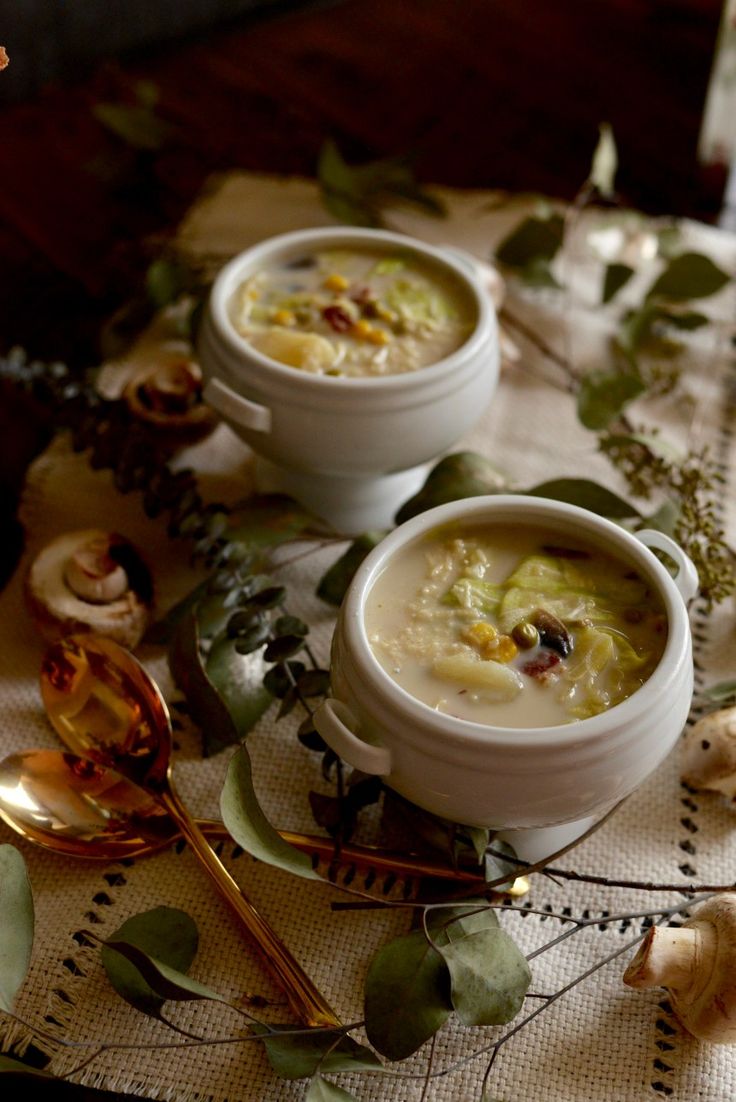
(485, 93)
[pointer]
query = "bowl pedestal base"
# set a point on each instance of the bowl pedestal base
(533, 844)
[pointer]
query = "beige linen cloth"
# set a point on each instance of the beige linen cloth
(601, 1041)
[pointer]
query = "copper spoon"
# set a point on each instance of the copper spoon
(107, 709)
(76, 808)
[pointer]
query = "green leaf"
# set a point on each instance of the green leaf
(11, 1066)
(299, 1055)
(335, 582)
(165, 281)
(617, 275)
(461, 475)
(16, 924)
(604, 394)
(538, 273)
(656, 444)
(164, 933)
(322, 1091)
(406, 996)
(587, 494)
(688, 276)
(605, 162)
(209, 710)
(665, 518)
(268, 520)
(164, 981)
(238, 679)
(139, 127)
(533, 239)
(489, 977)
(245, 821)
(451, 923)
(723, 692)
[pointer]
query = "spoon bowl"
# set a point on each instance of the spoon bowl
(106, 709)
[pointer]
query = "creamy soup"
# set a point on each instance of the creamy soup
(354, 312)
(514, 627)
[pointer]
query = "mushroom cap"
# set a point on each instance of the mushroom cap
(709, 752)
(696, 963)
(58, 610)
(167, 394)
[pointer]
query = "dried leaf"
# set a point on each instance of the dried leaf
(489, 977)
(336, 581)
(164, 981)
(166, 934)
(248, 825)
(301, 1055)
(138, 126)
(461, 475)
(604, 394)
(616, 277)
(587, 494)
(688, 276)
(533, 239)
(268, 520)
(407, 996)
(722, 693)
(238, 679)
(10, 1066)
(16, 924)
(209, 710)
(322, 1091)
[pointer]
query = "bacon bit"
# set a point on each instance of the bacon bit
(338, 318)
(541, 665)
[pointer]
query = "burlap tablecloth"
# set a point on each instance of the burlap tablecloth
(600, 1042)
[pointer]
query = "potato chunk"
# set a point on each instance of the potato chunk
(308, 351)
(489, 678)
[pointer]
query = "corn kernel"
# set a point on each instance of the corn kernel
(362, 329)
(254, 294)
(283, 317)
(379, 336)
(502, 649)
(480, 634)
(336, 282)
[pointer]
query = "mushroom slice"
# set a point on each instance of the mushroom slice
(168, 396)
(696, 962)
(709, 753)
(90, 581)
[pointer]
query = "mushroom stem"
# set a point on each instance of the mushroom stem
(93, 575)
(667, 957)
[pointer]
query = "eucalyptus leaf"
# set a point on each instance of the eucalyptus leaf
(587, 494)
(16, 924)
(495, 864)
(538, 273)
(665, 518)
(164, 981)
(268, 520)
(300, 1055)
(688, 276)
(9, 1065)
(335, 582)
(605, 162)
(533, 239)
(451, 923)
(604, 394)
(406, 996)
(460, 475)
(162, 631)
(489, 977)
(322, 1091)
(166, 934)
(616, 277)
(247, 824)
(238, 678)
(656, 444)
(138, 126)
(209, 710)
(165, 281)
(723, 692)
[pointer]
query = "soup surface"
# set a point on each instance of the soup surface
(354, 312)
(514, 627)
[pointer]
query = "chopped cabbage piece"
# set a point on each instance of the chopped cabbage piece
(489, 678)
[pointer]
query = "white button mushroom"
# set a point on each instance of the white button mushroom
(90, 581)
(709, 753)
(696, 963)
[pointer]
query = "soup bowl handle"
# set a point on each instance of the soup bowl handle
(334, 722)
(234, 407)
(686, 578)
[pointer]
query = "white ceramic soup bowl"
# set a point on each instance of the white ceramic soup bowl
(351, 449)
(541, 786)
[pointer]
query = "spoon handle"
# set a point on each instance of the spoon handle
(303, 996)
